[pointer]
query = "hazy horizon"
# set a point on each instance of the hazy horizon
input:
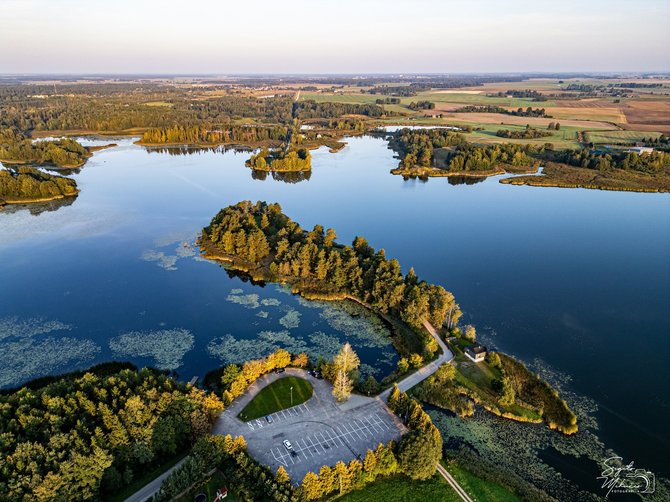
(300, 38)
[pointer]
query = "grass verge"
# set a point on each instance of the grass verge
(276, 397)
(401, 488)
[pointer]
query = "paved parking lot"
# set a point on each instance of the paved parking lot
(321, 432)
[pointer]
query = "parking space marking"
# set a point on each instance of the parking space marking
(322, 442)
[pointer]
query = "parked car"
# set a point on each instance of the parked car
(279, 370)
(288, 445)
(268, 419)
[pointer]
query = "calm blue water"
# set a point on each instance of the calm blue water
(578, 279)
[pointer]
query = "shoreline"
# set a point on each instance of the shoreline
(13, 200)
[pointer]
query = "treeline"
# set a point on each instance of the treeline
(387, 101)
(311, 109)
(60, 152)
(260, 237)
(523, 94)
(347, 125)
(30, 183)
(86, 437)
(212, 135)
(637, 85)
(647, 162)
(280, 161)
(417, 145)
(396, 90)
(519, 112)
(527, 133)
(420, 449)
(422, 105)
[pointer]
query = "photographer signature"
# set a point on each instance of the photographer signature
(620, 478)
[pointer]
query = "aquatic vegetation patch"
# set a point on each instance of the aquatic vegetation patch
(324, 345)
(164, 261)
(270, 302)
(167, 260)
(166, 347)
(29, 350)
(231, 350)
(291, 319)
(262, 314)
(249, 301)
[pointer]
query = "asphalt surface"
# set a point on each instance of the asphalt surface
(321, 431)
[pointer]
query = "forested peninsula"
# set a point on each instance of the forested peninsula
(261, 241)
(26, 184)
(439, 152)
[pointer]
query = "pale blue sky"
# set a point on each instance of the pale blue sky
(337, 36)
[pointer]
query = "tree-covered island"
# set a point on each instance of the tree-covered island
(261, 241)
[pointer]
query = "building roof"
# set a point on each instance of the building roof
(476, 349)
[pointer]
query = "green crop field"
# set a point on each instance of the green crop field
(276, 397)
(613, 137)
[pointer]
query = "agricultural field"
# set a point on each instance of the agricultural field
(615, 137)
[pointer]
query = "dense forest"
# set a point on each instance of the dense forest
(28, 183)
(117, 107)
(211, 135)
(86, 436)
(261, 238)
(422, 105)
(311, 109)
(523, 94)
(279, 160)
(527, 133)
(416, 146)
(59, 153)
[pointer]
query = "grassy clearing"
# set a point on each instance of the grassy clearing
(159, 104)
(276, 397)
(480, 489)
(401, 488)
(208, 486)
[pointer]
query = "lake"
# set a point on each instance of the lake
(576, 283)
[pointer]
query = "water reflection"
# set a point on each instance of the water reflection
(466, 180)
(38, 208)
(286, 177)
(192, 150)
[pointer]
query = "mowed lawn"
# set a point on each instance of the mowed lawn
(403, 489)
(277, 396)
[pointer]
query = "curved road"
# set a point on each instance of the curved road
(420, 375)
(405, 384)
